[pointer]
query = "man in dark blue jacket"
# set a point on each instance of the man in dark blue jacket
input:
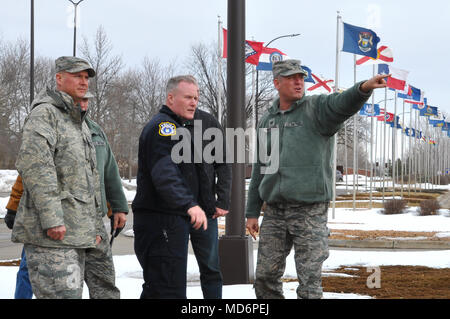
(170, 195)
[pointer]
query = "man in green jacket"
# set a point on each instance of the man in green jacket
(299, 139)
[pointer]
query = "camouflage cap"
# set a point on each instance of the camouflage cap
(287, 67)
(73, 64)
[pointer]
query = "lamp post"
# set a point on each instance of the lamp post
(257, 74)
(235, 247)
(32, 52)
(75, 5)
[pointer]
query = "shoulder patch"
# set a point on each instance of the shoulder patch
(167, 129)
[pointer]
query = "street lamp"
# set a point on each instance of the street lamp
(75, 4)
(257, 74)
(31, 51)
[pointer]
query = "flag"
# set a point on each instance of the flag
(417, 106)
(389, 117)
(391, 123)
(370, 110)
(360, 41)
(320, 83)
(446, 126)
(403, 94)
(268, 56)
(415, 93)
(437, 120)
(410, 132)
(398, 77)
(253, 49)
(384, 55)
(309, 77)
(429, 110)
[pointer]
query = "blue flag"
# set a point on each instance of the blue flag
(360, 41)
(410, 132)
(309, 77)
(370, 110)
(415, 93)
(429, 110)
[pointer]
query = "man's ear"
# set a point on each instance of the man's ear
(170, 98)
(58, 78)
(276, 83)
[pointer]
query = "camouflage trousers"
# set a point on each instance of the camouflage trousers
(282, 227)
(58, 273)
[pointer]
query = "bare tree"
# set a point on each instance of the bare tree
(107, 68)
(136, 95)
(203, 64)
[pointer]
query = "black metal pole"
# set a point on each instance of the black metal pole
(32, 52)
(235, 248)
(235, 105)
(75, 30)
(75, 6)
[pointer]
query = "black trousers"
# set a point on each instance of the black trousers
(161, 247)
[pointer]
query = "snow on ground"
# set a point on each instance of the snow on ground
(129, 273)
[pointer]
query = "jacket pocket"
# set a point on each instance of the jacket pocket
(305, 183)
(79, 219)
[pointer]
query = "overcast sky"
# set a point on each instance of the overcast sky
(416, 31)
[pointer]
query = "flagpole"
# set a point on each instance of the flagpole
(254, 133)
(336, 88)
(354, 141)
(401, 155)
(427, 158)
(411, 153)
(384, 138)
(394, 141)
(375, 150)
(416, 154)
(371, 142)
(219, 70)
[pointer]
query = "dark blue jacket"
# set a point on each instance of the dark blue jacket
(162, 185)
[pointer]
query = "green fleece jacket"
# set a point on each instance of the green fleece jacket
(298, 167)
(110, 182)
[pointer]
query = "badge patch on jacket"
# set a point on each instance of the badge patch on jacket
(167, 129)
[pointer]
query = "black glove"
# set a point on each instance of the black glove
(118, 229)
(9, 218)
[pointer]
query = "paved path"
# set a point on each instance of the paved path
(123, 245)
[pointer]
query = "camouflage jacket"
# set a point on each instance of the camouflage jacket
(57, 163)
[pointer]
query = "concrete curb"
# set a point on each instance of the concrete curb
(392, 244)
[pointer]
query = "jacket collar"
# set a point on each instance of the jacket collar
(166, 110)
(64, 101)
(275, 108)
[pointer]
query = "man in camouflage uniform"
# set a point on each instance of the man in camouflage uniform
(59, 217)
(297, 194)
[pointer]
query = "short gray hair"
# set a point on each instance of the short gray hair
(173, 82)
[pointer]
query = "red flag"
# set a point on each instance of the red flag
(253, 49)
(389, 117)
(384, 55)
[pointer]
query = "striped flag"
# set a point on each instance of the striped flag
(268, 56)
(398, 77)
(253, 49)
(384, 55)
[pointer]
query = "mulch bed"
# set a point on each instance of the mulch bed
(396, 282)
(383, 234)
